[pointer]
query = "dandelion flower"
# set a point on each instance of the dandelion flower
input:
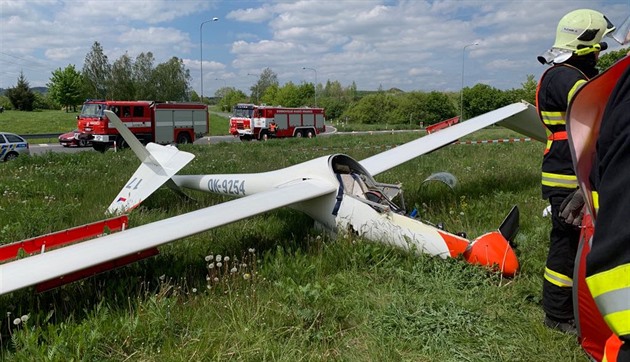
(247, 276)
(209, 257)
(24, 318)
(211, 265)
(162, 277)
(252, 250)
(461, 213)
(207, 277)
(233, 270)
(216, 279)
(219, 264)
(17, 321)
(194, 290)
(219, 257)
(226, 259)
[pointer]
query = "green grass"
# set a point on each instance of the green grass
(37, 122)
(299, 295)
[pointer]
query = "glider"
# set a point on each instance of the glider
(338, 192)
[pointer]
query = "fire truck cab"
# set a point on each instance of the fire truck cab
(250, 121)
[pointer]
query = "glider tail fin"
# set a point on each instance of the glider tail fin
(159, 164)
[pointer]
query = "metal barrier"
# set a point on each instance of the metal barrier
(40, 135)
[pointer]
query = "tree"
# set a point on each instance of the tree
(482, 98)
(267, 79)
(231, 98)
(121, 81)
(609, 58)
(96, 72)
(21, 96)
(288, 96)
(65, 87)
(143, 76)
(172, 81)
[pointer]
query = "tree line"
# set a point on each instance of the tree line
(140, 79)
(124, 79)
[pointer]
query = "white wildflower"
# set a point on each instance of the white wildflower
(233, 270)
(24, 318)
(219, 264)
(17, 321)
(219, 258)
(209, 257)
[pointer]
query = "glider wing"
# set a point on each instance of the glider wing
(520, 117)
(57, 263)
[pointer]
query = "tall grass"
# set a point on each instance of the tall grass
(287, 293)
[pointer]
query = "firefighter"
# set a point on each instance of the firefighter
(272, 128)
(608, 263)
(573, 58)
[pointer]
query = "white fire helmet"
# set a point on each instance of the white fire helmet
(579, 32)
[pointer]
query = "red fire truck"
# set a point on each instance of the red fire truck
(159, 122)
(250, 121)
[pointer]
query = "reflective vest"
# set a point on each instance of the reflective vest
(553, 94)
(600, 113)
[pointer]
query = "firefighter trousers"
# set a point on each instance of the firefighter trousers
(558, 281)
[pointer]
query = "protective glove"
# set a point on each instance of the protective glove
(572, 208)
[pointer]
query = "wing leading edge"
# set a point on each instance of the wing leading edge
(56, 263)
(520, 117)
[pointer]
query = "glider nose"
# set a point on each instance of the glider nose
(493, 250)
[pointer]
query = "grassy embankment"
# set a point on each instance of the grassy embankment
(296, 294)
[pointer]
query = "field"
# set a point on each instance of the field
(287, 293)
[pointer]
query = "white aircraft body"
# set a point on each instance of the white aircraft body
(339, 193)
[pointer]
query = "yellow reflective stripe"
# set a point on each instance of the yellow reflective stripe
(609, 280)
(573, 89)
(619, 322)
(559, 180)
(595, 196)
(558, 279)
(611, 291)
(553, 118)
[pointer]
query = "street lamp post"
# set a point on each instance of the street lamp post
(201, 51)
(314, 70)
(461, 110)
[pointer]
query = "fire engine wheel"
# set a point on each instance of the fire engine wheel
(82, 143)
(264, 136)
(298, 134)
(121, 143)
(310, 134)
(183, 138)
(99, 147)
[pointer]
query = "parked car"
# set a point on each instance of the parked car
(12, 145)
(75, 138)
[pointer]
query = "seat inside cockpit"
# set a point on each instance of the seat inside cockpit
(355, 182)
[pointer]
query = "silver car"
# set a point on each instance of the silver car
(12, 145)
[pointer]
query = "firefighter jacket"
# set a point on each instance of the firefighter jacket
(608, 263)
(555, 89)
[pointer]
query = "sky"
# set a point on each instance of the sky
(406, 44)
